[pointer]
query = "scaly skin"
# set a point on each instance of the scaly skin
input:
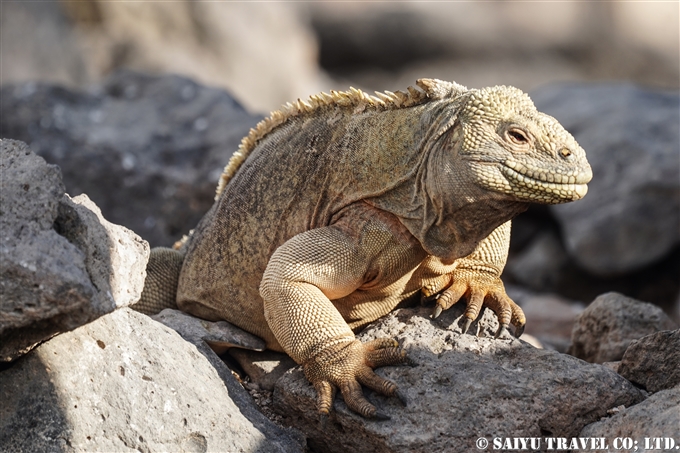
(334, 211)
(160, 286)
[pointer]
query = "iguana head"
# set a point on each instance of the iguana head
(514, 149)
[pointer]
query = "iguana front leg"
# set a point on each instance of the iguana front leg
(302, 277)
(477, 277)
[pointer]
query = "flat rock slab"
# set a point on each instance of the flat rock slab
(61, 263)
(605, 329)
(465, 387)
(127, 383)
(653, 361)
(219, 335)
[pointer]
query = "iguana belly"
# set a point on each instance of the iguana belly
(220, 277)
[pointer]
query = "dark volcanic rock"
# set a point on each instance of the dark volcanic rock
(465, 387)
(148, 150)
(604, 330)
(656, 417)
(550, 318)
(653, 361)
(61, 263)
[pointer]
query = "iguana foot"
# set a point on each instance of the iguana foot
(481, 290)
(349, 365)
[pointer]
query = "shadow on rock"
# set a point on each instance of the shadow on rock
(125, 382)
(62, 264)
(32, 417)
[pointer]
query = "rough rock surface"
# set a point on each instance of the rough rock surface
(658, 416)
(631, 136)
(128, 383)
(61, 263)
(653, 361)
(465, 386)
(148, 150)
(610, 323)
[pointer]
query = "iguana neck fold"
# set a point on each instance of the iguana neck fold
(437, 200)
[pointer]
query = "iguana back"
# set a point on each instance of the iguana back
(299, 177)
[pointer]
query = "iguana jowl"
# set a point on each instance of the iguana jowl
(336, 209)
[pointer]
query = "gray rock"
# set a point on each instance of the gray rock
(656, 417)
(148, 150)
(77, 43)
(653, 361)
(610, 323)
(220, 334)
(465, 387)
(263, 367)
(127, 383)
(62, 264)
(535, 342)
(614, 366)
(631, 214)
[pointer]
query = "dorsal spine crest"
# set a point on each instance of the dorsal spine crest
(353, 98)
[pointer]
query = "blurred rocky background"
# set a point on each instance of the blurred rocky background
(142, 103)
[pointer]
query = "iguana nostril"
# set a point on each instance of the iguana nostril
(566, 153)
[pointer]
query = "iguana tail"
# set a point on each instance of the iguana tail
(160, 286)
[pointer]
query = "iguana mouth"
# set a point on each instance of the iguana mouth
(572, 185)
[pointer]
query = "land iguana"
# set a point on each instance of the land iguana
(336, 209)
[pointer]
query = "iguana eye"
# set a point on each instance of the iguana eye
(517, 136)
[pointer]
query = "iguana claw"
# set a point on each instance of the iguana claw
(408, 361)
(380, 416)
(402, 397)
(481, 290)
(502, 330)
(466, 325)
(348, 367)
(437, 311)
